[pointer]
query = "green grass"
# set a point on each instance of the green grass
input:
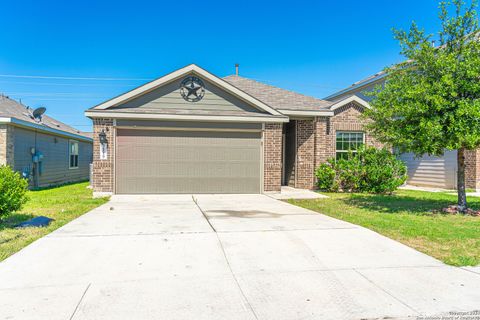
(63, 204)
(407, 217)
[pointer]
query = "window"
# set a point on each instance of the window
(73, 154)
(348, 141)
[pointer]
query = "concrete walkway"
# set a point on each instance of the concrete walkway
(294, 193)
(224, 257)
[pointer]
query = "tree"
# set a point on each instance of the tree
(431, 102)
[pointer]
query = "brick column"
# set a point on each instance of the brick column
(304, 173)
(472, 169)
(6, 145)
(324, 143)
(103, 169)
(272, 170)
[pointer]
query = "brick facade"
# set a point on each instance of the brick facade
(6, 144)
(103, 179)
(315, 144)
(322, 133)
(272, 170)
(316, 141)
(305, 164)
(472, 169)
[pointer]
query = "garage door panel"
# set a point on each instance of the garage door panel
(188, 169)
(159, 161)
(186, 154)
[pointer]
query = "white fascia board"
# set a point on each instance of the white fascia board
(180, 72)
(26, 124)
(356, 99)
(314, 113)
(146, 116)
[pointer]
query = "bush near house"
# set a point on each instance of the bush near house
(368, 170)
(13, 191)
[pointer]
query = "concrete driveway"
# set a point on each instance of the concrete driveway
(224, 257)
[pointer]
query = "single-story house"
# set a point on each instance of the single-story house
(44, 150)
(425, 171)
(193, 132)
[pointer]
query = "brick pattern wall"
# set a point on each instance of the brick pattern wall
(472, 169)
(305, 166)
(272, 170)
(103, 169)
(346, 118)
(6, 145)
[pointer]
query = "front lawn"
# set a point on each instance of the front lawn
(63, 204)
(407, 218)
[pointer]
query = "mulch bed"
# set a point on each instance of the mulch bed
(453, 209)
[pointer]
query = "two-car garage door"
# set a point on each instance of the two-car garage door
(187, 161)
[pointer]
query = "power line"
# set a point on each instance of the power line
(70, 84)
(32, 93)
(72, 78)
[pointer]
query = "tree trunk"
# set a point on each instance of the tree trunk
(462, 196)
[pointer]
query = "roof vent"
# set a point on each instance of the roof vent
(236, 68)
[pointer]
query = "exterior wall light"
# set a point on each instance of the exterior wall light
(102, 138)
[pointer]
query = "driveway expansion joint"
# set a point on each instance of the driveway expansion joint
(387, 292)
(80, 301)
(227, 261)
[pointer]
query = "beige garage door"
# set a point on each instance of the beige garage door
(157, 161)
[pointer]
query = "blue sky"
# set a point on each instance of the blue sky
(313, 47)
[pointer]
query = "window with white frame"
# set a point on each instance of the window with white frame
(73, 154)
(348, 142)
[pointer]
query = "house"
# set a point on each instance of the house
(193, 132)
(425, 171)
(46, 151)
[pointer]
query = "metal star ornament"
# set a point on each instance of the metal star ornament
(192, 89)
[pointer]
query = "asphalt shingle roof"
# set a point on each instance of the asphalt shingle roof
(10, 108)
(277, 98)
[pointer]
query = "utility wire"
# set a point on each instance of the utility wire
(71, 78)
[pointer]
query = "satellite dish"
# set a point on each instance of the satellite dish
(37, 113)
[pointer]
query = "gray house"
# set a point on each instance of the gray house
(46, 151)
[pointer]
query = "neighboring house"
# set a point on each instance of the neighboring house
(46, 151)
(192, 132)
(427, 171)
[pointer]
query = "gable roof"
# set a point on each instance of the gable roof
(351, 98)
(192, 68)
(12, 111)
(285, 101)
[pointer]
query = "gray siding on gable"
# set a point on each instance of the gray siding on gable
(55, 149)
(169, 97)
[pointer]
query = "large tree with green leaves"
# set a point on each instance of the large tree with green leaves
(431, 102)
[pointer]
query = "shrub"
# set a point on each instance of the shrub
(13, 189)
(326, 176)
(369, 170)
(382, 171)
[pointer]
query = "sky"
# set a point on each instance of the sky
(68, 56)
